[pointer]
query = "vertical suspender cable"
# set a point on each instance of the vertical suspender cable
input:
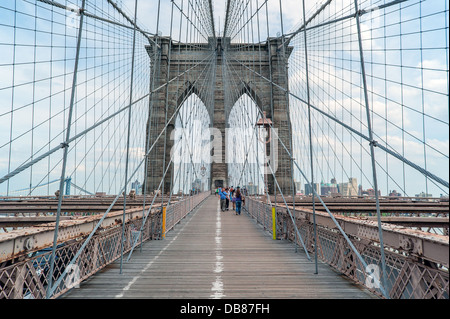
(310, 140)
(65, 146)
(128, 138)
(372, 149)
(166, 107)
(286, 94)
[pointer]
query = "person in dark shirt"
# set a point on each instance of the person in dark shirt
(227, 200)
(232, 190)
(239, 200)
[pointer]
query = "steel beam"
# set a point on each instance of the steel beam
(19, 242)
(432, 247)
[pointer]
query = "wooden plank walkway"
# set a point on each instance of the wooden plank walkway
(214, 254)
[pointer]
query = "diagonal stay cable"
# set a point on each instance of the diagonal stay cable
(62, 145)
(275, 179)
(375, 143)
(162, 179)
(57, 283)
(352, 246)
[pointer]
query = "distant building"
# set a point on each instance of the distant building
(298, 187)
(308, 189)
(350, 188)
(394, 194)
(328, 189)
(370, 192)
(353, 185)
(137, 187)
(422, 194)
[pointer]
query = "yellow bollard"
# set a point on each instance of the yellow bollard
(164, 223)
(274, 223)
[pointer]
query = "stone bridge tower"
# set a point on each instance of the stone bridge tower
(262, 62)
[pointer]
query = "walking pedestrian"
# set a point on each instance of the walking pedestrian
(240, 200)
(223, 198)
(232, 190)
(227, 203)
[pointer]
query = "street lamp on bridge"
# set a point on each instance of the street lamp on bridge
(264, 123)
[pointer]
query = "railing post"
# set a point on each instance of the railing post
(164, 216)
(274, 223)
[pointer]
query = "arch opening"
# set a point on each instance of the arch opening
(245, 146)
(191, 159)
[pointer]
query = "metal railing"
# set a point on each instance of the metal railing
(26, 277)
(417, 264)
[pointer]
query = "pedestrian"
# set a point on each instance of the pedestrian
(240, 200)
(223, 198)
(227, 192)
(233, 199)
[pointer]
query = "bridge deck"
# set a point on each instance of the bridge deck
(213, 254)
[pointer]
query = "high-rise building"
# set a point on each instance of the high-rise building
(350, 188)
(298, 187)
(328, 189)
(137, 187)
(353, 185)
(308, 189)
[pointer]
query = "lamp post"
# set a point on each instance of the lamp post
(264, 123)
(202, 173)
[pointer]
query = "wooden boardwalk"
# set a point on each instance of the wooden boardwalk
(213, 254)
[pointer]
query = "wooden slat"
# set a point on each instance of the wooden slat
(195, 257)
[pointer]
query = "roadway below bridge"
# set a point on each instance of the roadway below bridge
(214, 254)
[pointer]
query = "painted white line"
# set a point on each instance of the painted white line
(217, 285)
(128, 286)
